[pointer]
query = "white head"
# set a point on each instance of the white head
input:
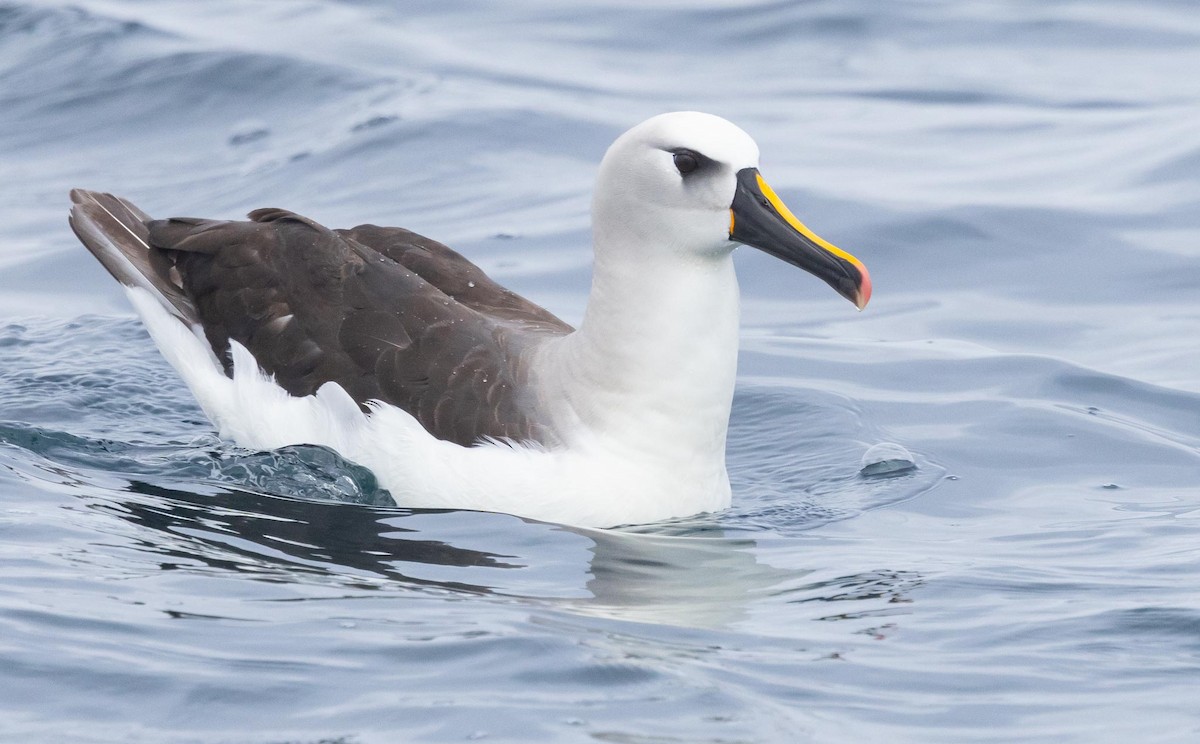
(644, 201)
(652, 368)
(686, 186)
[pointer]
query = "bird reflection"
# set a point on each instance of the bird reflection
(269, 534)
(691, 575)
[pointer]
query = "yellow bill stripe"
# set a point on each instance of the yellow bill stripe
(799, 226)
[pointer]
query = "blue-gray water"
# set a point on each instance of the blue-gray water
(1021, 176)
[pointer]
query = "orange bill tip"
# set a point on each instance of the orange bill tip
(864, 289)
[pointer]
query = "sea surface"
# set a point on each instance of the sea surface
(1022, 177)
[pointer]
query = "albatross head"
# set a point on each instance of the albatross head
(687, 185)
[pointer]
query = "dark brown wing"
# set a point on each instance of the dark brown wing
(315, 306)
(114, 230)
(453, 274)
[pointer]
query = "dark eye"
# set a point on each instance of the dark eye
(686, 162)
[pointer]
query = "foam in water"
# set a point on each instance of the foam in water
(887, 458)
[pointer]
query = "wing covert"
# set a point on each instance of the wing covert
(314, 306)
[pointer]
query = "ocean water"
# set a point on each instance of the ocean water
(1022, 178)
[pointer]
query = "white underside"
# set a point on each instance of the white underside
(586, 484)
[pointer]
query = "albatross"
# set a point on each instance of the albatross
(403, 356)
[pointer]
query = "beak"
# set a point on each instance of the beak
(759, 218)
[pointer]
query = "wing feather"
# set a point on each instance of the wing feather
(384, 312)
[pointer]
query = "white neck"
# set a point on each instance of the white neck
(651, 369)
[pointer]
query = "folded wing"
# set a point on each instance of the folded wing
(387, 314)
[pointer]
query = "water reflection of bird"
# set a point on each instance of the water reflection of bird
(403, 356)
(706, 581)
